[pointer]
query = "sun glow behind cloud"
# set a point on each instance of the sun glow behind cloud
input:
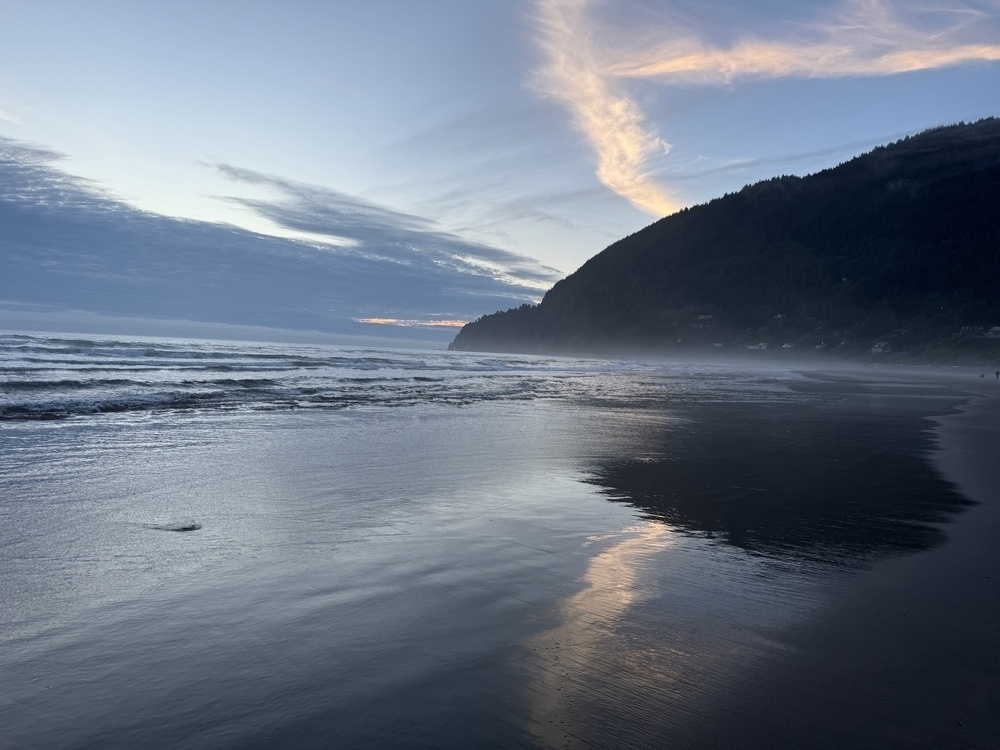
(863, 38)
(401, 323)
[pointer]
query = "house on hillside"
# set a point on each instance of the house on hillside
(880, 347)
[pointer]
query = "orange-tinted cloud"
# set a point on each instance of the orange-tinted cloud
(615, 126)
(863, 38)
(868, 38)
(404, 323)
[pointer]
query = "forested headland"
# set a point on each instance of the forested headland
(895, 253)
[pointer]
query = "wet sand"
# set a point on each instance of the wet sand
(786, 589)
(907, 655)
(694, 561)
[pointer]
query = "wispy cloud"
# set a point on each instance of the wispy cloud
(68, 245)
(8, 117)
(382, 233)
(867, 38)
(862, 38)
(576, 74)
(410, 323)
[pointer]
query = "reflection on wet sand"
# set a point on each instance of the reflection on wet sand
(588, 642)
(751, 511)
(799, 483)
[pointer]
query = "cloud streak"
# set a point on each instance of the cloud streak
(864, 38)
(69, 248)
(410, 323)
(380, 233)
(576, 75)
(868, 38)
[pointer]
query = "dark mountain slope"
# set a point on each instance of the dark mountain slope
(900, 244)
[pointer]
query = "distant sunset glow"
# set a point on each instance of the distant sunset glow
(428, 166)
(412, 323)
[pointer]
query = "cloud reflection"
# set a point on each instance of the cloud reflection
(587, 641)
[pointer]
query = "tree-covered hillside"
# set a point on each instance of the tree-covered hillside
(896, 249)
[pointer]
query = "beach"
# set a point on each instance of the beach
(909, 654)
(208, 545)
(899, 650)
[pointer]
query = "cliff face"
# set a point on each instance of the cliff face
(900, 246)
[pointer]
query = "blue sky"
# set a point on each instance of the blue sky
(531, 133)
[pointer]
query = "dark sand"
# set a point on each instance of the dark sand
(834, 594)
(907, 655)
(817, 569)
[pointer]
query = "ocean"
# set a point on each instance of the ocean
(235, 545)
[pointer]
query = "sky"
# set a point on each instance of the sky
(514, 139)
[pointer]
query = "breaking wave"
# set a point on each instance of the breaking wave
(61, 378)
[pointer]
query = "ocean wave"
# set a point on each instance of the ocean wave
(62, 378)
(66, 408)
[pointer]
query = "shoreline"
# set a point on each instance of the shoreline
(907, 654)
(737, 567)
